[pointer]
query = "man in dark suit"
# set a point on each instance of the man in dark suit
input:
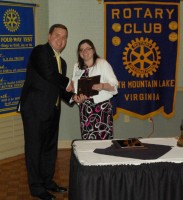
(43, 89)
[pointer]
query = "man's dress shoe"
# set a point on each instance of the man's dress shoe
(56, 188)
(45, 196)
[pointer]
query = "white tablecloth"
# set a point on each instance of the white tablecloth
(83, 150)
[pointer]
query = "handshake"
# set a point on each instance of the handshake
(77, 98)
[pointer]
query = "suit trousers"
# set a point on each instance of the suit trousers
(41, 142)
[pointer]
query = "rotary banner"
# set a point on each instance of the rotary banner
(142, 45)
(16, 42)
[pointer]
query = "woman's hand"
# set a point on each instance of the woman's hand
(98, 87)
(103, 86)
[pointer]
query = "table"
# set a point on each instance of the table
(96, 176)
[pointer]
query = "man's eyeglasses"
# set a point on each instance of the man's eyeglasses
(85, 50)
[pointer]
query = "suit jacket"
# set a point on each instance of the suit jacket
(43, 83)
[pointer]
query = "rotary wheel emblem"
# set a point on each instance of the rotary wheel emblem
(11, 20)
(142, 57)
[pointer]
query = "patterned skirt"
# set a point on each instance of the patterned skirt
(96, 120)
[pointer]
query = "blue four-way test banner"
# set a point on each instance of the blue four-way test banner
(17, 38)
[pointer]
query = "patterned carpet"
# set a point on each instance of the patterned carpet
(13, 177)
